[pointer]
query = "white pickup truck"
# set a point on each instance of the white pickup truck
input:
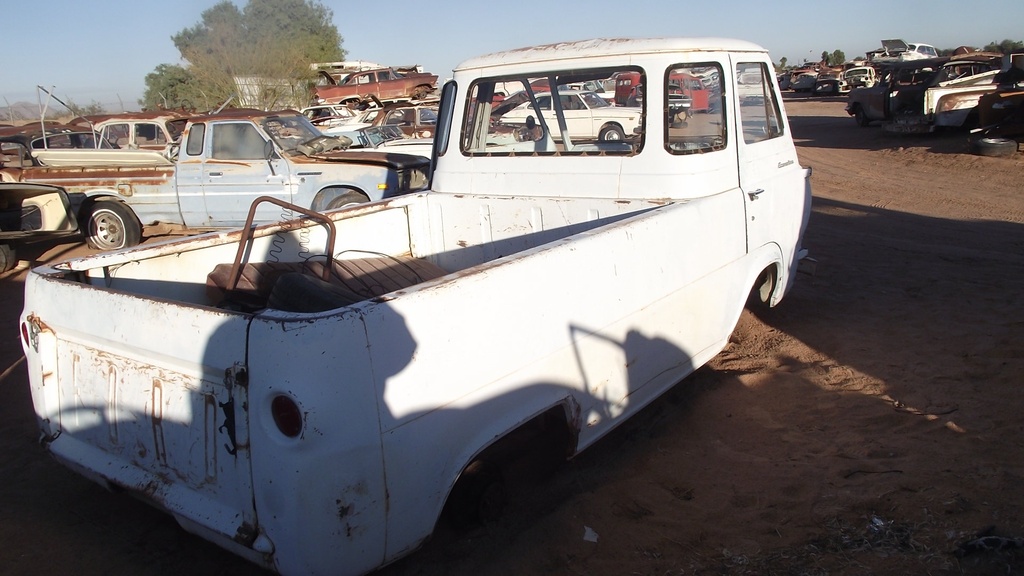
(312, 394)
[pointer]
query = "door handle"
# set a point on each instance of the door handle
(215, 174)
(755, 193)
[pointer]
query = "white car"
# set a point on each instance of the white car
(587, 116)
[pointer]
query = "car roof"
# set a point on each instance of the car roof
(609, 47)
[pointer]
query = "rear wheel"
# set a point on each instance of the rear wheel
(111, 225)
(478, 497)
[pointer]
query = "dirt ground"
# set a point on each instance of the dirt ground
(871, 424)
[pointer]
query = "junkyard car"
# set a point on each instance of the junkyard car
(327, 115)
(588, 116)
(385, 138)
(386, 84)
(414, 120)
(920, 95)
(860, 76)
(31, 212)
(803, 82)
(137, 130)
(32, 145)
(830, 83)
(896, 50)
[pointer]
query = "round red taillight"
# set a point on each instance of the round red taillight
(287, 416)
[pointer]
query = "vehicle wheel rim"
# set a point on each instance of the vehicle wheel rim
(107, 230)
(612, 135)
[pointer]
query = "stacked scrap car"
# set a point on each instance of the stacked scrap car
(922, 95)
(386, 84)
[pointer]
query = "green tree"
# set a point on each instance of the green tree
(260, 54)
(836, 58)
(782, 64)
(173, 86)
(1005, 47)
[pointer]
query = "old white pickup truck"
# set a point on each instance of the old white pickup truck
(312, 394)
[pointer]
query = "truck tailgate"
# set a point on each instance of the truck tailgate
(153, 404)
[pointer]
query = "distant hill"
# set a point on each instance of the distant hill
(19, 111)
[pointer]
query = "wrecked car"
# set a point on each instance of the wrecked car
(386, 84)
(137, 130)
(922, 95)
(31, 212)
(860, 76)
(896, 50)
(225, 161)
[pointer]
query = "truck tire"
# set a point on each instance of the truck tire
(478, 496)
(350, 198)
(8, 259)
(611, 134)
(995, 147)
(861, 117)
(111, 225)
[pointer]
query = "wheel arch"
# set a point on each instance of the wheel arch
(769, 280)
(324, 197)
(550, 431)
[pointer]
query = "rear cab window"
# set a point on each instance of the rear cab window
(695, 110)
(571, 112)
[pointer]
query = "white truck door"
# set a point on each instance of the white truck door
(770, 174)
(236, 171)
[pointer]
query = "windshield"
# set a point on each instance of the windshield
(289, 131)
(593, 100)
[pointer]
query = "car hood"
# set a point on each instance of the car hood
(895, 45)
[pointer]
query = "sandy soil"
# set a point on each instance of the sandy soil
(871, 424)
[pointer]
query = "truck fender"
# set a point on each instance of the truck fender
(768, 282)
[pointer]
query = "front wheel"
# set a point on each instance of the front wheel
(611, 134)
(8, 259)
(861, 117)
(112, 225)
(350, 198)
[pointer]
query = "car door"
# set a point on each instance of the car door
(772, 181)
(233, 172)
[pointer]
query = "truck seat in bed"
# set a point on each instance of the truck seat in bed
(301, 287)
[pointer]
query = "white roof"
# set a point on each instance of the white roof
(608, 47)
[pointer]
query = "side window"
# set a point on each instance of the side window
(148, 134)
(237, 141)
(117, 135)
(194, 146)
(760, 114)
(695, 121)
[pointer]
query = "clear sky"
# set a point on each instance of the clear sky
(101, 51)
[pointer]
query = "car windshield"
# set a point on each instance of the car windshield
(593, 100)
(289, 131)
